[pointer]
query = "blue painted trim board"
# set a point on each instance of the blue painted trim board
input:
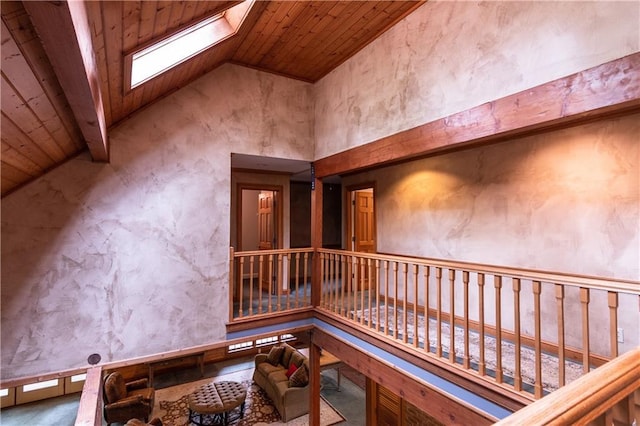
(276, 328)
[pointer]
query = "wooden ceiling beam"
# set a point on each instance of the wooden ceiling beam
(612, 88)
(64, 31)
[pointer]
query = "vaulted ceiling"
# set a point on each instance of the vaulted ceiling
(53, 107)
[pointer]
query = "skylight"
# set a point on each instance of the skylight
(151, 61)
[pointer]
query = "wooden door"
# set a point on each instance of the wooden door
(365, 240)
(364, 236)
(267, 237)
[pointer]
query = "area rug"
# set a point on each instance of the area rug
(527, 355)
(173, 409)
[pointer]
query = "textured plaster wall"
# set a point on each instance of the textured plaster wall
(450, 56)
(130, 258)
(567, 201)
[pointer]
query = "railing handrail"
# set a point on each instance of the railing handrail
(574, 280)
(90, 407)
(606, 385)
(272, 251)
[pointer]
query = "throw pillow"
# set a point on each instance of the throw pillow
(299, 378)
(275, 354)
(292, 369)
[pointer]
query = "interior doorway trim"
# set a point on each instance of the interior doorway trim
(351, 221)
(279, 190)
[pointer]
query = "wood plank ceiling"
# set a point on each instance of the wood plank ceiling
(299, 39)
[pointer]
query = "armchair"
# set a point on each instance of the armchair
(124, 401)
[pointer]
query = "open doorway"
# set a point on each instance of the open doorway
(259, 225)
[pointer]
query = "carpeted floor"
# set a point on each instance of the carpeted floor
(172, 405)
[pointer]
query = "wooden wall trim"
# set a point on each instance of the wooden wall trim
(129, 362)
(606, 90)
(443, 407)
(64, 30)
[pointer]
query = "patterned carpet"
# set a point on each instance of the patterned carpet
(172, 406)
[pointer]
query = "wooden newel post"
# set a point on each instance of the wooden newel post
(316, 241)
(314, 383)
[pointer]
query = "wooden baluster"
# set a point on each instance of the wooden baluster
(260, 280)
(306, 274)
(355, 287)
(427, 339)
(286, 279)
(270, 280)
(322, 296)
(439, 311)
(338, 283)
(632, 408)
(405, 279)
(369, 286)
(278, 281)
(378, 281)
(537, 318)
(395, 300)
(613, 323)
(232, 280)
(584, 300)
(481, 363)
(363, 285)
(416, 334)
(329, 283)
(350, 276)
(517, 380)
(343, 269)
(296, 260)
(497, 281)
(251, 280)
(561, 346)
(240, 287)
(452, 316)
(465, 280)
(386, 297)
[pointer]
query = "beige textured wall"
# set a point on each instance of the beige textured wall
(131, 258)
(449, 56)
(567, 201)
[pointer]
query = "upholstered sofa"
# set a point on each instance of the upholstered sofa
(289, 392)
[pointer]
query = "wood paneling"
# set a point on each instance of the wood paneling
(300, 39)
(38, 127)
(275, 37)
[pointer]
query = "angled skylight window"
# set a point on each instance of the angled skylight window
(144, 64)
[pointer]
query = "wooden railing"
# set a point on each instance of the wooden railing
(90, 407)
(529, 331)
(609, 395)
(269, 281)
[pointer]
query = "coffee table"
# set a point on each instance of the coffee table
(216, 401)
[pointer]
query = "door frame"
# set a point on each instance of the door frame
(350, 210)
(279, 189)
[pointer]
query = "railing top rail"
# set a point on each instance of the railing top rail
(570, 404)
(599, 283)
(274, 251)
